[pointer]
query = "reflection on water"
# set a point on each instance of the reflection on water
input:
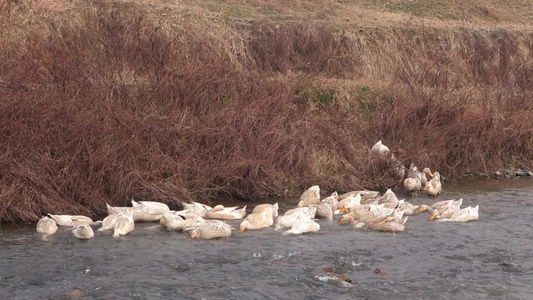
(436, 260)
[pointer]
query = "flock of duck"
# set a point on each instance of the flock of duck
(363, 209)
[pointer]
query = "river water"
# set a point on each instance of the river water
(429, 260)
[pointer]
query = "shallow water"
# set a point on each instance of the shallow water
(437, 260)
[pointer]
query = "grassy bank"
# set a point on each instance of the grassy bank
(102, 101)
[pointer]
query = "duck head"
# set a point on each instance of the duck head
(243, 225)
(434, 215)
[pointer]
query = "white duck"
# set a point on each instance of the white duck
(463, 215)
(139, 214)
(226, 213)
(71, 220)
(380, 149)
(392, 221)
(83, 232)
(433, 186)
(366, 197)
(172, 221)
(122, 223)
(350, 202)
(332, 201)
(303, 225)
(309, 211)
(197, 208)
(390, 224)
(397, 167)
(323, 211)
(366, 211)
(389, 199)
(294, 215)
(209, 230)
(310, 196)
(380, 211)
(360, 211)
(259, 220)
(423, 176)
(444, 208)
(261, 207)
(46, 227)
(413, 181)
(193, 220)
(406, 207)
(152, 208)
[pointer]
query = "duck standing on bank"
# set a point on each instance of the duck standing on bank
(413, 183)
(424, 176)
(143, 211)
(434, 186)
(380, 149)
(416, 180)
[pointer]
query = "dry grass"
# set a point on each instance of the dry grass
(102, 101)
(362, 14)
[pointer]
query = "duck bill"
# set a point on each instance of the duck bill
(242, 229)
(432, 217)
(343, 209)
(430, 174)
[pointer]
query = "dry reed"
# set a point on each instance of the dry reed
(104, 101)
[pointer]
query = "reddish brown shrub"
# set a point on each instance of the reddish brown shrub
(103, 101)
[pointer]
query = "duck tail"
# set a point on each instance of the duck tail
(52, 217)
(134, 203)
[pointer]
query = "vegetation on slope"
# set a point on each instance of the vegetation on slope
(102, 101)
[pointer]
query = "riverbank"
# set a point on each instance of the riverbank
(102, 101)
